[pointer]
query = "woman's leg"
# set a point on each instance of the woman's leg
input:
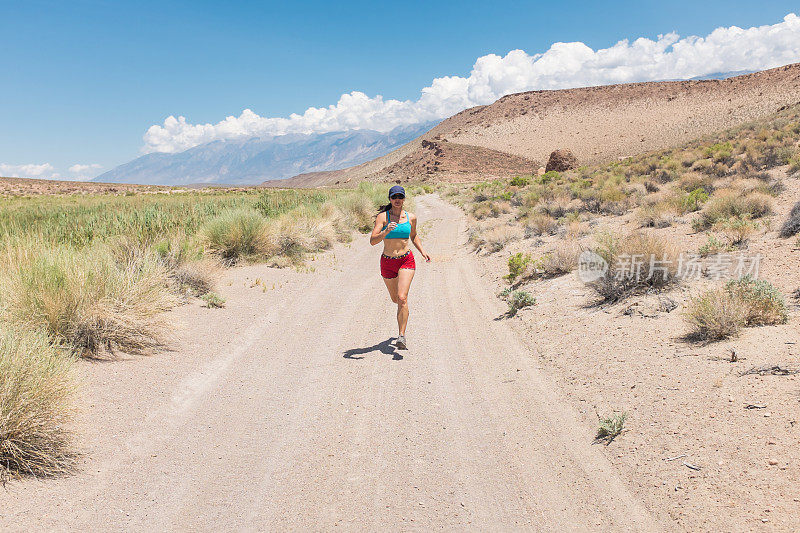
(404, 277)
(391, 284)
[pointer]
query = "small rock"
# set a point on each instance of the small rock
(773, 462)
(765, 520)
(767, 414)
(771, 442)
(730, 398)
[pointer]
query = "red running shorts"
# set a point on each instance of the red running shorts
(390, 266)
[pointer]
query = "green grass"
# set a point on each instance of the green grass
(213, 301)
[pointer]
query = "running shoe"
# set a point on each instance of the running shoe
(401, 342)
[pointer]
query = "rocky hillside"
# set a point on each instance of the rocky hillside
(596, 123)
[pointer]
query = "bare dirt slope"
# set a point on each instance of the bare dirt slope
(598, 124)
(289, 409)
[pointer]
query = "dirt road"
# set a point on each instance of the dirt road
(290, 409)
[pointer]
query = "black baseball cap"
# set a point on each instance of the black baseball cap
(397, 189)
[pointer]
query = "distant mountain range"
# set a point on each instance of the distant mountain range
(257, 159)
(722, 75)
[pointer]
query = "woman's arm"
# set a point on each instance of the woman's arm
(377, 235)
(415, 238)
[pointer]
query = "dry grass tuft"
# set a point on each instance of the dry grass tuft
(562, 260)
(640, 261)
(539, 224)
(721, 313)
(762, 301)
(714, 315)
(197, 277)
(36, 393)
(730, 203)
(90, 302)
(494, 238)
(237, 234)
(655, 216)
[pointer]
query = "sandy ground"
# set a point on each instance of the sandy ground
(681, 398)
(290, 409)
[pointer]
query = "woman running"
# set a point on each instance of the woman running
(396, 227)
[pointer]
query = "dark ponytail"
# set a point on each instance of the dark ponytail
(385, 208)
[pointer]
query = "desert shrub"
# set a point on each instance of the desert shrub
(562, 260)
(237, 234)
(520, 181)
(663, 175)
(737, 229)
(778, 155)
(548, 177)
(721, 313)
(690, 181)
(88, 300)
(706, 166)
(610, 427)
(517, 300)
(575, 228)
(762, 301)
(791, 226)
(719, 152)
(713, 246)
(290, 239)
(556, 207)
(315, 232)
(639, 261)
(730, 204)
(694, 200)
(496, 238)
(654, 216)
(794, 164)
(686, 158)
(493, 239)
(489, 208)
(540, 224)
(714, 315)
(651, 186)
(517, 263)
(36, 405)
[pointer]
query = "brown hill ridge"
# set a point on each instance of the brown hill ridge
(596, 123)
(441, 159)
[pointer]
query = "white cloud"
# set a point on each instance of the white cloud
(43, 171)
(563, 65)
(85, 171)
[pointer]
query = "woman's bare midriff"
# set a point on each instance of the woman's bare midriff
(395, 247)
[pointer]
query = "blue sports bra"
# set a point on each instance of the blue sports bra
(402, 231)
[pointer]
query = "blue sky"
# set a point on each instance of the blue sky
(84, 80)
